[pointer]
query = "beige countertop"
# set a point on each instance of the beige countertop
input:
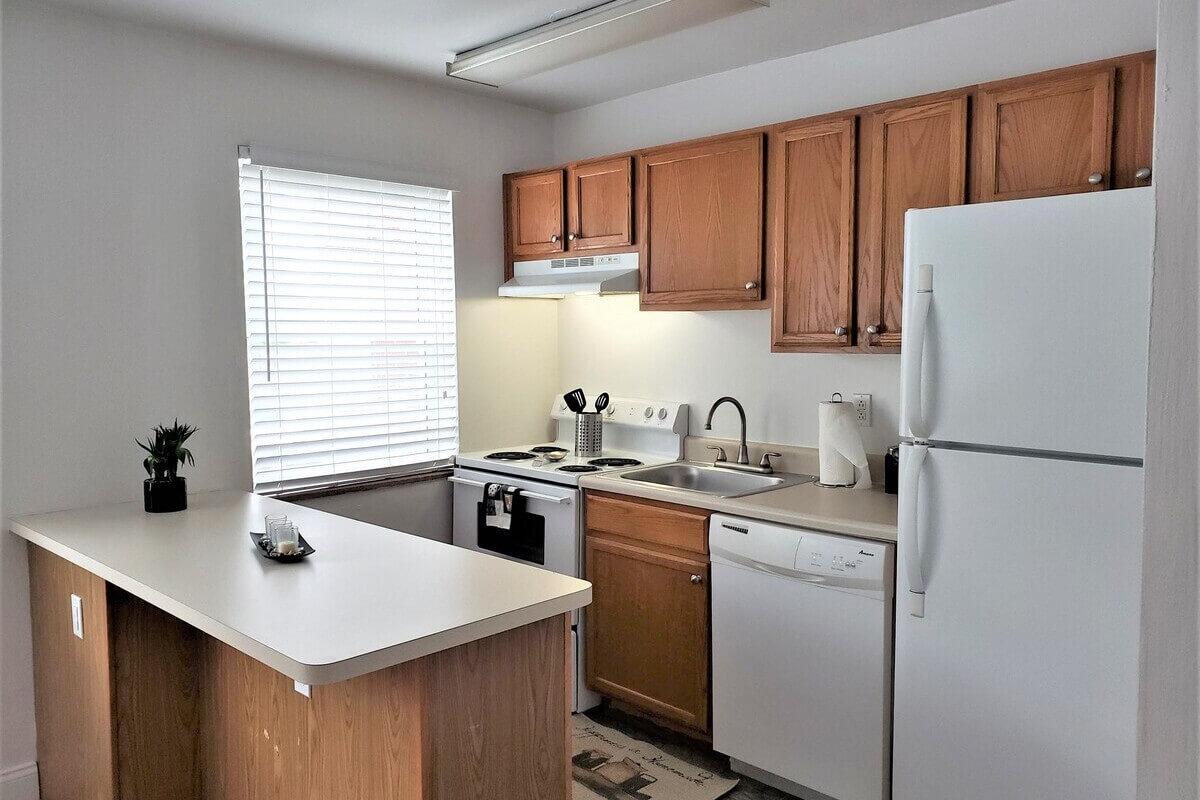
(369, 598)
(868, 513)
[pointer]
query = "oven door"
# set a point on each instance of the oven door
(545, 534)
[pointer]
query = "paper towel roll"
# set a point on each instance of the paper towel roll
(840, 447)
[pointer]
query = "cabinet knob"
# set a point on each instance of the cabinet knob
(874, 329)
(751, 284)
(697, 579)
(571, 237)
(840, 330)
(554, 237)
(1096, 178)
(1142, 174)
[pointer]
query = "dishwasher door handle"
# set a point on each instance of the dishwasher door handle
(562, 501)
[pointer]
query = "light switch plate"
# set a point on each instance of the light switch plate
(77, 615)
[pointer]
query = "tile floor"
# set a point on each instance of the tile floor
(688, 749)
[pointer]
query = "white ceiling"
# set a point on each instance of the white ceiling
(416, 37)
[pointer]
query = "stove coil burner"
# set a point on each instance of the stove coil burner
(546, 448)
(578, 468)
(509, 455)
(615, 462)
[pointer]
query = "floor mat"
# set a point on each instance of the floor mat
(608, 765)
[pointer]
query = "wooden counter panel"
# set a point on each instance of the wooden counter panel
(146, 707)
(71, 681)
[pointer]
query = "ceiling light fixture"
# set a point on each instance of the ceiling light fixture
(606, 27)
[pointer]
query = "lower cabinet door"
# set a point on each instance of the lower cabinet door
(648, 630)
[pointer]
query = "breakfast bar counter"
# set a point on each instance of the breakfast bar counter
(182, 664)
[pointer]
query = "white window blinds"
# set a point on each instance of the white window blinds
(349, 326)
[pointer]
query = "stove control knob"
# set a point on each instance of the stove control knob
(562, 406)
(649, 412)
(608, 412)
(662, 413)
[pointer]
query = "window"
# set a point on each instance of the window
(349, 288)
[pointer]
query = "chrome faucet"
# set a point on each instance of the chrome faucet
(743, 455)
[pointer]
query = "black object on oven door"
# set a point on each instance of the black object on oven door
(524, 540)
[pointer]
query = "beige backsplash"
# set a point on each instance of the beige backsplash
(795, 459)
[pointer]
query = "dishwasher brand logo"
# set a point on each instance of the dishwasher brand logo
(737, 528)
(865, 553)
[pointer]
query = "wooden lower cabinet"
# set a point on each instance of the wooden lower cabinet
(648, 625)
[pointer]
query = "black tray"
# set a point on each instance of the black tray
(264, 546)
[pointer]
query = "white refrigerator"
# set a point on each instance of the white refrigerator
(1020, 525)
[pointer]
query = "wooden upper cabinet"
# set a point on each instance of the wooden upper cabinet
(700, 224)
(534, 210)
(1133, 133)
(915, 156)
(1045, 135)
(810, 234)
(600, 204)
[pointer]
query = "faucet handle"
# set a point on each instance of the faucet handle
(721, 456)
(766, 461)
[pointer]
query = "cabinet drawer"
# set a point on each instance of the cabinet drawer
(649, 521)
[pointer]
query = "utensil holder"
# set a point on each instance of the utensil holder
(589, 434)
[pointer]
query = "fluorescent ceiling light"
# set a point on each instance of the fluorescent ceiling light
(606, 27)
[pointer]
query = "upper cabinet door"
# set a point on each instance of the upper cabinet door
(915, 157)
(1133, 134)
(600, 204)
(1045, 137)
(535, 214)
(810, 234)
(700, 224)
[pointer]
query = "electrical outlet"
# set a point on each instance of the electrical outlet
(862, 410)
(77, 615)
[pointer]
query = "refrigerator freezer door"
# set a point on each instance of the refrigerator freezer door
(1020, 681)
(1035, 335)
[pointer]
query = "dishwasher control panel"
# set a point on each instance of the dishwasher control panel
(819, 554)
(843, 562)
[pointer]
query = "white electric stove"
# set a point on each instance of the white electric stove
(548, 530)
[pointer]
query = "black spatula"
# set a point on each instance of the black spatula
(576, 400)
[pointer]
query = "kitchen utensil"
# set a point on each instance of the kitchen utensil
(589, 434)
(576, 400)
(602, 401)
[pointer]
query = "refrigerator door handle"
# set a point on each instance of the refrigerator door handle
(910, 534)
(914, 346)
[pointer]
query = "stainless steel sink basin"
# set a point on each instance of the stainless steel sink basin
(718, 481)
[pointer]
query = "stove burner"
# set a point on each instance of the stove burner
(546, 448)
(508, 455)
(578, 468)
(615, 462)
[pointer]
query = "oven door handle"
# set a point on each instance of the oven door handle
(562, 501)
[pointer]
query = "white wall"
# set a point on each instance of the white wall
(1167, 763)
(697, 357)
(122, 300)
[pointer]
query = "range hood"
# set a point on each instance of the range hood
(559, 277)
(600, 29)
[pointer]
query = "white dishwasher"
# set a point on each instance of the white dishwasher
(802, 657)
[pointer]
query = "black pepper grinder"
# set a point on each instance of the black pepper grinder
(891, 470)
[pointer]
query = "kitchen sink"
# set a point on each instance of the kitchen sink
(718, 481)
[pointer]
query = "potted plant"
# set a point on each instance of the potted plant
(164, 490)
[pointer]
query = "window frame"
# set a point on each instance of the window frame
(357, 480)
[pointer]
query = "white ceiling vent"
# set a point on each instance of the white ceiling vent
(606, 27)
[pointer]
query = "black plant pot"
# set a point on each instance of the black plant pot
(168, 494)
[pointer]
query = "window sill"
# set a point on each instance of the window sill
(360, 484)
